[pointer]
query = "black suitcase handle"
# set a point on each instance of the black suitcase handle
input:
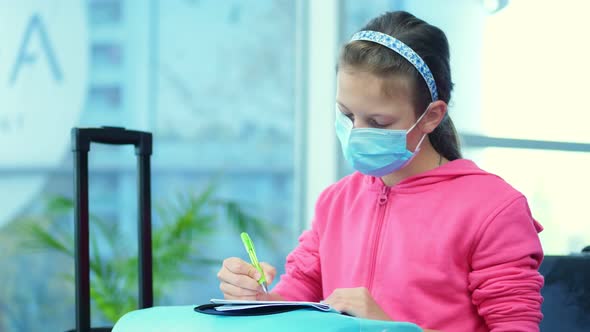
(81, 139)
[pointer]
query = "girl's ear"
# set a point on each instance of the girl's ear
(436, 113)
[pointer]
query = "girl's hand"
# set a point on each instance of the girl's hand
(357, 302)
(238, 280)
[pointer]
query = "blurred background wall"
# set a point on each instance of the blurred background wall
(239, 95)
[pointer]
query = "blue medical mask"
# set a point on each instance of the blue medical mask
(374, 151)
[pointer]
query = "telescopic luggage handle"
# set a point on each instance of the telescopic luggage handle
(81, 139)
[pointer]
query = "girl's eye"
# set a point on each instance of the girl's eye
(350, 116)
(376, 124)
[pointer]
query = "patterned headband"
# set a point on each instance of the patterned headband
(404, 50)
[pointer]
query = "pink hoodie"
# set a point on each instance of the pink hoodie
(452, 249)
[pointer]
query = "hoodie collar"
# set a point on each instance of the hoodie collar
(426, 180)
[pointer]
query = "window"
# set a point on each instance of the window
(534, 69)
(215, 83)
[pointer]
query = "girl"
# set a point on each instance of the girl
(417, 234)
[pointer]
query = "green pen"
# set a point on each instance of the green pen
(250, 249)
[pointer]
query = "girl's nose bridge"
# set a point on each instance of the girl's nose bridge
(358, 123)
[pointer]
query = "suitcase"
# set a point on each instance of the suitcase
(81, 139)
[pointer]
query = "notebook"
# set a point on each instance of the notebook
(237, 305)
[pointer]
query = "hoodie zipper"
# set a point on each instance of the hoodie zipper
(382, 201)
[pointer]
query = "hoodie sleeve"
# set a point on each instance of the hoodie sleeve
(504, 281)
(302, 279)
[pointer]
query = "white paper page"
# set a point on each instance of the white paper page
(229, 305)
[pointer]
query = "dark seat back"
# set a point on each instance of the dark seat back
(566, 293)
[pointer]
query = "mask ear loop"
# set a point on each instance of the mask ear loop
(414, 126)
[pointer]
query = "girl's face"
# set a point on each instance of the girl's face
(362, 97)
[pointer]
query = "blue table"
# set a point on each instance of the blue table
(185, 319)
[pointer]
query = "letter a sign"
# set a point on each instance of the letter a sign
(43, 79)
